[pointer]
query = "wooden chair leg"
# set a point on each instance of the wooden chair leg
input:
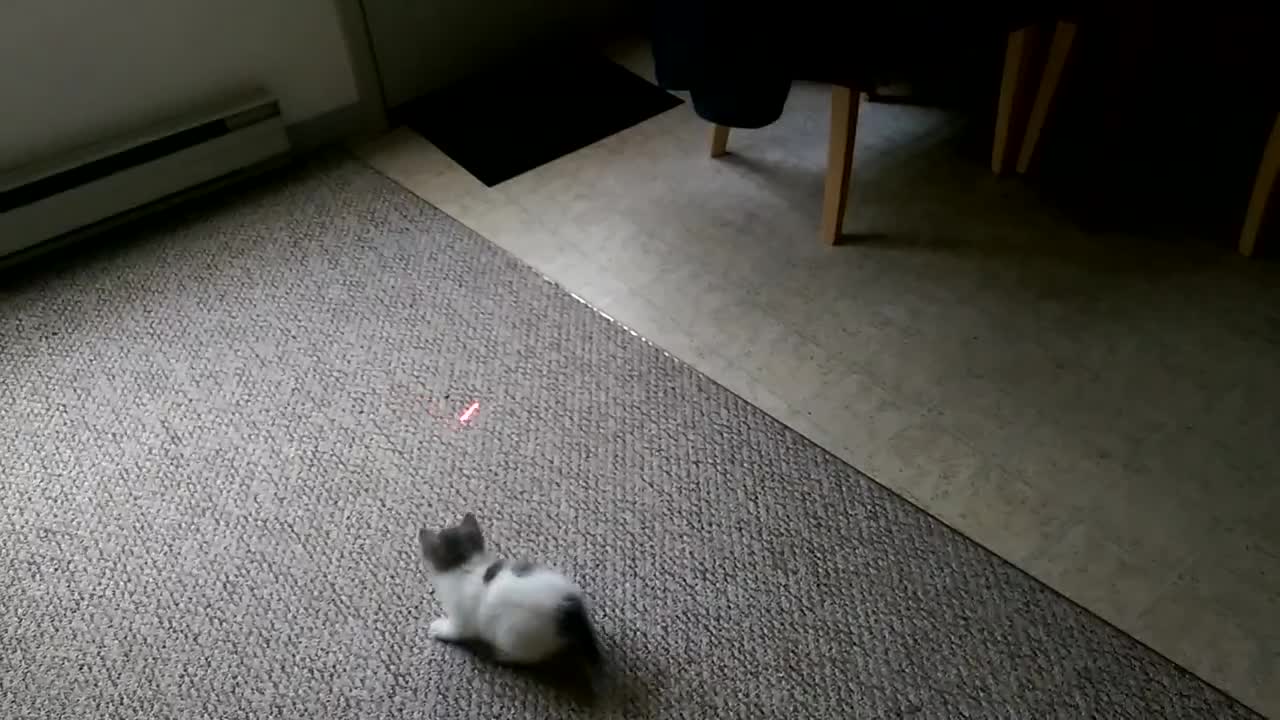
(844, 127)
(719, 140)
(1262, 186)
(1011, 108)
(1064, 33)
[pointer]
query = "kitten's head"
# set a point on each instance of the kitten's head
(452, 547)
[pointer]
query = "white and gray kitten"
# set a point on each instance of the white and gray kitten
(521, 613)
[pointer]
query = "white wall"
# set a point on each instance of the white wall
(74, 72)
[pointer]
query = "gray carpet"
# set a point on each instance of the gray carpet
(219, 439)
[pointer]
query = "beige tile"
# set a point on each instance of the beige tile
(1218, 648)
(924, 459)
(407, 158)
(571, 269)
(1260, 520)
(690, 293)
(1007, 514)
(451, 189)
(858, 414)
(490, 214)
(1110, 580)
(1142, 513)
(748, 387)
(1033, 447)
(633, 255)
(655, 324)
(805, 424)
(545, 250)
(795, 368)
(735, 327)
(1239, 566)
(559, 193)
(401, 154)
(1267, 699)
(980, 411)
(901, 361)
(1220, 627)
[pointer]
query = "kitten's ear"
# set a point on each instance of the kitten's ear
(471, 527)
(426, 541)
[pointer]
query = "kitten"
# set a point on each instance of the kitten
(523, 614)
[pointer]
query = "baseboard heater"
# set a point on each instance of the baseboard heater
(43, 201)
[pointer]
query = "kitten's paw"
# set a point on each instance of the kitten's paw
(443, 629)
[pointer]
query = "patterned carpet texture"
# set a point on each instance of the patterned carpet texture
(218, 439)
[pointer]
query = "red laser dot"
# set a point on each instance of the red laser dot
(469, 413)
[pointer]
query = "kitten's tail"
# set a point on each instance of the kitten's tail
(575, 627)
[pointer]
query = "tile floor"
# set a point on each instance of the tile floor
(1102, 411)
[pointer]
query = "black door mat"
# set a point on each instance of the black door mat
(526, 113)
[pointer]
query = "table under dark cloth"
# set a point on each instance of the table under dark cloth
(738, 63)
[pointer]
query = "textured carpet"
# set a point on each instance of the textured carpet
(219, 439)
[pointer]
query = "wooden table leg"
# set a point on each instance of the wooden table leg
(844, 128)
(1262, 186)
(719, 140)
(1012, 106)
(1064, 33)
